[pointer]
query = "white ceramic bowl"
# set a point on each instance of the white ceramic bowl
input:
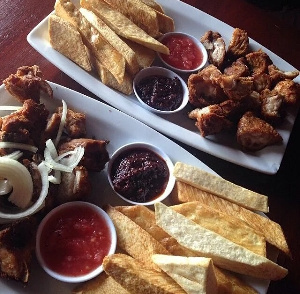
(160, 71)
(196, 42)
(135, 146)
(62, 208)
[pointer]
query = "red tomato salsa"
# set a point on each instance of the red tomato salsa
(74, 241)
(184, 53)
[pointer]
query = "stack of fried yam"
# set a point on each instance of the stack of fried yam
(114, 38)
(200, 245)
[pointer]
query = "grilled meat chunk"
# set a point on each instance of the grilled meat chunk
(27, 83)
(95, 154)
(254, 133)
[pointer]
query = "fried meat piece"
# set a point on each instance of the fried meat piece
(215, 47)
(236, 88)
(95, 154)
(27, 83)
(261, 81)
(17, 243)
(204, 87)
(254, 134)
(258, 62)
(289, 90)
(239, 44)
(25, 125)
(272, 106)
(74, 186)
(278, 75)
(75, 125)
(210, 120)
(238, 68)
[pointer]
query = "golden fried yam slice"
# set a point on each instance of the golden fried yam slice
(271, 230)
(65, 38)
(193, 274)
(113, 39)
(122, 25)
(223, 252)
(239, 44)
(220, 187)
(136, 278)
(134, 240)
(101, 284)
(229, 227)
(101, 49)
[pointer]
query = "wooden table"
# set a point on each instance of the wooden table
(18, 17)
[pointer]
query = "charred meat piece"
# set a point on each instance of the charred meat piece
(289, 90)
(74, 126)
(95, 154)
(278, 75)
(254, 134)
(236, 88)
(215, 47)
(17, 243)
(238, 68)
(258, 62)
(27, 83)
(74, 186)
(204, 87)
(25, 125)
(239, 44)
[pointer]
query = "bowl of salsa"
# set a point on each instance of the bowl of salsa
(160, 90)
(141, 173)
(187, 53)
(72, 240)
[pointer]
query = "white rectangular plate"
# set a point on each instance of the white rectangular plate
(178, 126)
(106, 123)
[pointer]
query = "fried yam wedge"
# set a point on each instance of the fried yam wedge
(134, 240)
(65, 38)
(227, 226)
(228, 283)
(220, 187)
(223, 252)
(101, 284)
(271, 230)
(137, 279)
(113, 39)
(122, 25)
(102, 50)
(193, 274)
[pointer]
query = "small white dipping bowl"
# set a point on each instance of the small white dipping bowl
(62, 209)
(160, 71)
(198, 45)
(137, 146)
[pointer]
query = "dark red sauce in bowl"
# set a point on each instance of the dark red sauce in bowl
(141, 174)
(73, 239)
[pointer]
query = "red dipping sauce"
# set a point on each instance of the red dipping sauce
(184, 52)
(75, 240)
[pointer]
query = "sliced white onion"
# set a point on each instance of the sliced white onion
(5, 187)
(62, 122)
(14, 155)
(19, 178)
(9, 108)
(6, 217)
(21, 146)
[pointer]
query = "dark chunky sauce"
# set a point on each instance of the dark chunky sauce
(140, 175)
(161, 92)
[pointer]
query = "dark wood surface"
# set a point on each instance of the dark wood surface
(275, 30)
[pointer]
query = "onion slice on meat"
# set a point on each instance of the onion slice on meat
(21, 146)
(62, 122)
(20, 179)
